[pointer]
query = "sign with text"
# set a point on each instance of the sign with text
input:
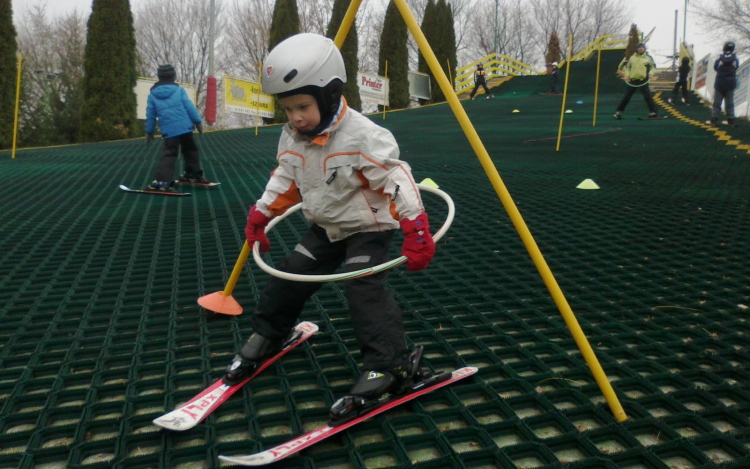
(143, 89)
(245, 97)
(701, 72)
(372, 88)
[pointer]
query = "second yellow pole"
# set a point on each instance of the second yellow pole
(565, 92)
(596, 93)
(18, 100)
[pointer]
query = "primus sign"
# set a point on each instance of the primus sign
(372, 88)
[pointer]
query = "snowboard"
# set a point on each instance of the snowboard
(293, 446)
(144, 191)
(199, 407)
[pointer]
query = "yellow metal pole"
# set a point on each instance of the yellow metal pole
(387, 88)
(515, 215)
(450, 75)
(257, 102)
(347, 22)
(565, 92)
(18, 100)
(237, 270)
(596, 93)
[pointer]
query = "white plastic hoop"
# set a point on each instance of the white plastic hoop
(359, 273)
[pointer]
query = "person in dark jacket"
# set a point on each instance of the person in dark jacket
(554, 73)
(726, 81)
(178, 117)
(480, 80)
(682, 82)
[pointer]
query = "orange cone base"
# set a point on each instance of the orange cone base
(218, 303)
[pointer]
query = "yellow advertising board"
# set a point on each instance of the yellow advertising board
(244, 96)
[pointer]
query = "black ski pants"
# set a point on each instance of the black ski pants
(632, 89)
(376, 318)
(483, 84)
(553, 84)
(681, 85)
(168, 160)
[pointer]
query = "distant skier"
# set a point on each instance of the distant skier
(480, 80)
(178, 117)
(724, 85)
(636, 73)
(554, 76)
(682, 82)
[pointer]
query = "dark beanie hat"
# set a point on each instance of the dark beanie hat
(166, 71)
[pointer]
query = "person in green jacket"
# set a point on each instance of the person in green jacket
(637, 71)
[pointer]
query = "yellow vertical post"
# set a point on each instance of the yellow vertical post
(18, 100)
(565, 91)
(257, 102)
(596, 93)
(515, 215)
(450, 75)
(387, 88)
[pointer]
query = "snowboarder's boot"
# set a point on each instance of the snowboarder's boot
(161, 186)
(618, 115)
(652, 115)
(374, 387)
(256, 350)
(732, 122)
(194, 178)
(713, 122)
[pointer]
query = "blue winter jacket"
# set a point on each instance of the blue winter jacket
(176, 113)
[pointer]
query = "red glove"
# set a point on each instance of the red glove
(255, 229)
(419, 248)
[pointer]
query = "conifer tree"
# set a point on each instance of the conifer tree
(108, 111)
(8, 73)
(393, 48)
(285, 23)
(449, 38)
(633, 39)
(349, 51)
(554, 54)
(437, 26)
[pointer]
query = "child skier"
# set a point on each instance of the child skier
(178, 117)
(682, 82)
(726, 81)
(636, 72)
(480, 80)
(355, 192)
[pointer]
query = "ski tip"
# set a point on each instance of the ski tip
(307, 326)
(168, 422)
(252, 460)
(124, 187)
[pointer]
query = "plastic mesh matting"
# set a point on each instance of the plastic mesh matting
(100, 331)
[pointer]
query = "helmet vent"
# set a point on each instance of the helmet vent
(290, 76)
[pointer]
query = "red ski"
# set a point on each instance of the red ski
(202, 184)
(146, 191)
(198, 408)
(280, 452)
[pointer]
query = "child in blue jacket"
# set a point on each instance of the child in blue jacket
(177, 116)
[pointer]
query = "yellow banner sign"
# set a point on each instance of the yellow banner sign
(244, 96)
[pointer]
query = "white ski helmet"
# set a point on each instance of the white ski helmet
(302, 60)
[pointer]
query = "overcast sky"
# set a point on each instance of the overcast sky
(647, 15)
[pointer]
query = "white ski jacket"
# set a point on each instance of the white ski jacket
(349, 178)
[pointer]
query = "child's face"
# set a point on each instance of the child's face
(641, 50)
(302, 111)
